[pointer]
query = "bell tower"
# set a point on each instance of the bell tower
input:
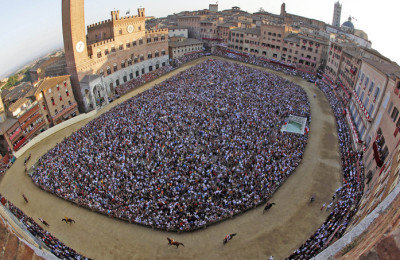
(75, 45)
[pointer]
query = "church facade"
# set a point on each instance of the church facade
(111, 53)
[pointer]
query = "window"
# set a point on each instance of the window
(129, 62)
(163, 52)
(366, 81)
(121, 47)
(142, 71)
(128, 45)
(134, 43)
(98, 53)
(141, 58)
(123, 64)
(366, 101)
(362, 78)
(115, 67)
(112, 49)
(106, 52)
(371, 109)
(101, 72)
(377, 92)
(390, 107)
(140, 42)
(371, 86)
(395, 113)
(149, 56)
(108, 70)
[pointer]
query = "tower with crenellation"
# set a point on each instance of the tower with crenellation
(111, 53)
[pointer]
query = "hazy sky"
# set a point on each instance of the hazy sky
(31, 28)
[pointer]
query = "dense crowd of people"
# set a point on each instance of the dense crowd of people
(347, 197)
(139, 81)
(276, 65)
(56, 246)
(199, 147)
(3, 168)
(187, 58)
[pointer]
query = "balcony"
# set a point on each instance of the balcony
(377, 156)
(19, 144)
(64, 111)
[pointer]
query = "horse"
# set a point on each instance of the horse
(25, 198)
(44, 222)
(268, 206)
(68, 220)
(172, 242)
(312, 199)
(228, 237)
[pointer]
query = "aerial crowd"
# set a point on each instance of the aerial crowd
(137, 82)
(198, 148)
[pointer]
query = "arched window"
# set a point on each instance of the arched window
(149, 55)
(108, 70)
(101, 72)
(156, 54)
(106, 52)
(129, 62)
(115, 67)
(123, 64)
(131, 76)
(125, 78)
(98, 53)
(121, 46)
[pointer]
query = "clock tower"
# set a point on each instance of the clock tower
(75, 45)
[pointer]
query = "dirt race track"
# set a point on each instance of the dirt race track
(278, 232)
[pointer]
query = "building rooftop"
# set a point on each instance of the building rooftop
(186, 42)
(255, 31)
(50, 82)
(390, 69)
(9, 122)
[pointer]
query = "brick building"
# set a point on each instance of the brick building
(56, 100)
(117, 50)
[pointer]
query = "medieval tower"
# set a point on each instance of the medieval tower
(337, 12)
(73, 23)
(104, 55)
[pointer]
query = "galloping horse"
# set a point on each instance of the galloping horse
(44, 222)
(68, 220)
(228, 237)
(268, 206)
(172, 242)
(312, 199)
(25, 198)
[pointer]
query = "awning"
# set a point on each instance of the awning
(19, 144)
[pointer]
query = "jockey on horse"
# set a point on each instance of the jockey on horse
(172, 242)
(228, 237)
